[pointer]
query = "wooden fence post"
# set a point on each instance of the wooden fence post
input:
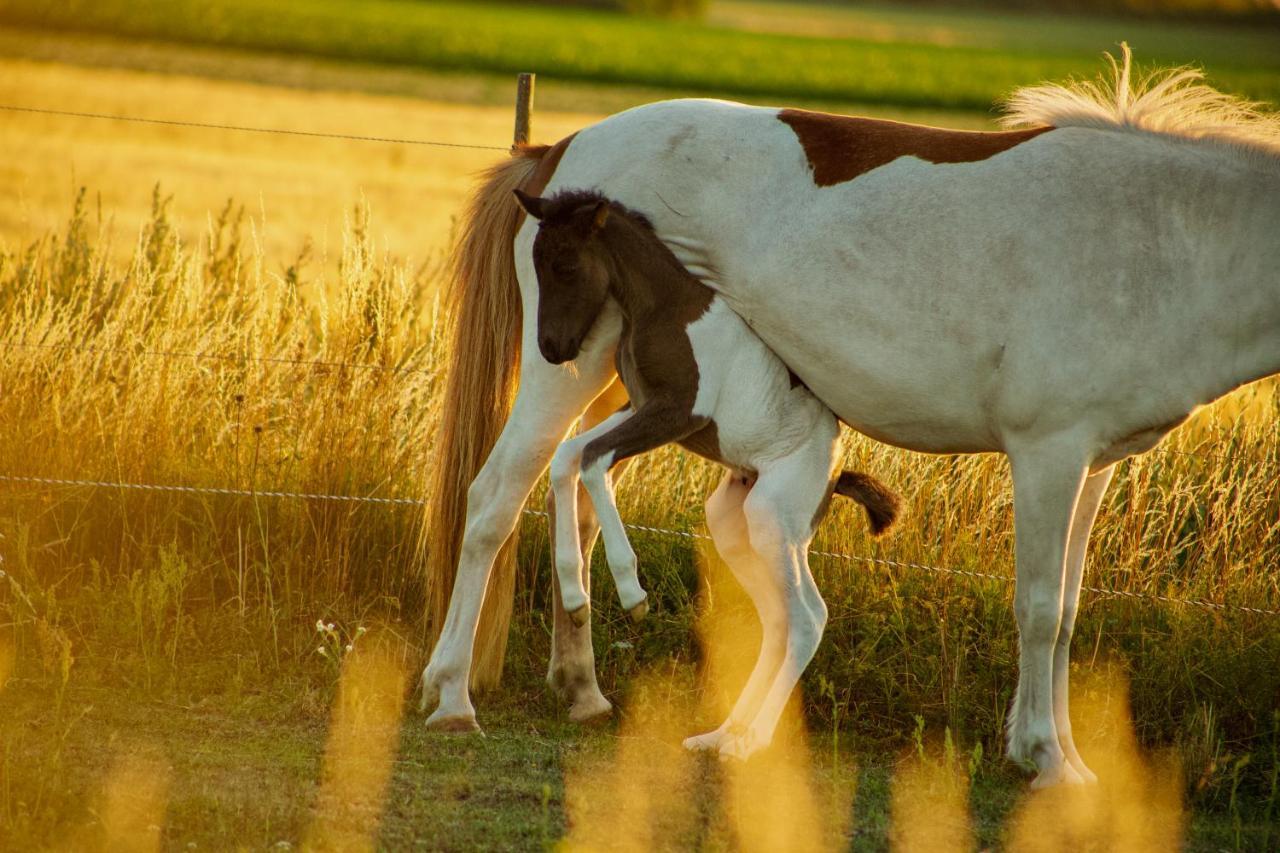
(524, 108)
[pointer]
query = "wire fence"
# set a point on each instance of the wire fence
(202, 125)
(687, 535)
(219, 357)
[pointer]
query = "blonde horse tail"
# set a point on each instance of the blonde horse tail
(482, 318)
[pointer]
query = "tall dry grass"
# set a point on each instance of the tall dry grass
(204, 594)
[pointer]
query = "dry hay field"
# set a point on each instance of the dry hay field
(182, 669)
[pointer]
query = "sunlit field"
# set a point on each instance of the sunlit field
(300, 192)
(258, 313)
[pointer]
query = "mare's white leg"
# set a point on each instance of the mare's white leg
(571, 671)
(1047, 478)
(565, 467)
(728, 526)
(1077, 545)
(549, 400)
(780, 512)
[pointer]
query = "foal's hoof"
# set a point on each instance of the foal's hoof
(456, 725)
(708, 742)
(640, 611)
(580, 616)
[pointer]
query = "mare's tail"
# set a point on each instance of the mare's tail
(881, 504)
(482, 318)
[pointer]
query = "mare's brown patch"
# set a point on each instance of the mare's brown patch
(840, 148)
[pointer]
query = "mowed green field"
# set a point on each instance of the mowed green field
(912, 60)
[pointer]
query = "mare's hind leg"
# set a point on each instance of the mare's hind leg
(548, 401)
(571, 672)
(1047, 480)
(780, 513)
(728, 526)
(1095, 485)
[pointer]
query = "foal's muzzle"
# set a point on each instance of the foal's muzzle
(556, 353)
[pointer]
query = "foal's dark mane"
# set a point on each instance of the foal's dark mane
(568, 201)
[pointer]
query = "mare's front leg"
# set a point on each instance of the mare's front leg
(1047, 479)
(569, 562)
(548, 401)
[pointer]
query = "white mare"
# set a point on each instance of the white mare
(1066, 298)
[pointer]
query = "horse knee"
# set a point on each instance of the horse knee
(1039, 619)
(564, 467)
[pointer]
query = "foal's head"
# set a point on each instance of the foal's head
(573, 266)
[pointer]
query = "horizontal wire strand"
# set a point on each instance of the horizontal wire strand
(246, 129)
(643, 528)
(210, 356)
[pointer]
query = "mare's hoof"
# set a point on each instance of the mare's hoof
(591, 711)
(640, 611)
(1062, 775)
(580, 616)
(457, 725)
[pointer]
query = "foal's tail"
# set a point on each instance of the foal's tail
(482, 317)
(881, 504)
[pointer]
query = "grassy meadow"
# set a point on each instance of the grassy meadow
(218, 309)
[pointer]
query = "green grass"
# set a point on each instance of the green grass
(900, 69)
(247, 773)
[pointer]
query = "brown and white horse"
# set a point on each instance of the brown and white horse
(1066, 294)
(697, 375)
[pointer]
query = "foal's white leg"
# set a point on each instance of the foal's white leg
(1077, 545)
(617, 545)
(728, 526)
(549, 400)
(571, 671)
(1047, 478)
(780, 511)
(565, 467)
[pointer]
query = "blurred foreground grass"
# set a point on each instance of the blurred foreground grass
(196, 614)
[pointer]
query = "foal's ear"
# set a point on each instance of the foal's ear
(599, 216)
(534, 206)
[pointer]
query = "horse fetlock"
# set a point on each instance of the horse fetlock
(579, 615)
(1040, 752)
(639, 611)
(1074, 761)
(741, 745)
